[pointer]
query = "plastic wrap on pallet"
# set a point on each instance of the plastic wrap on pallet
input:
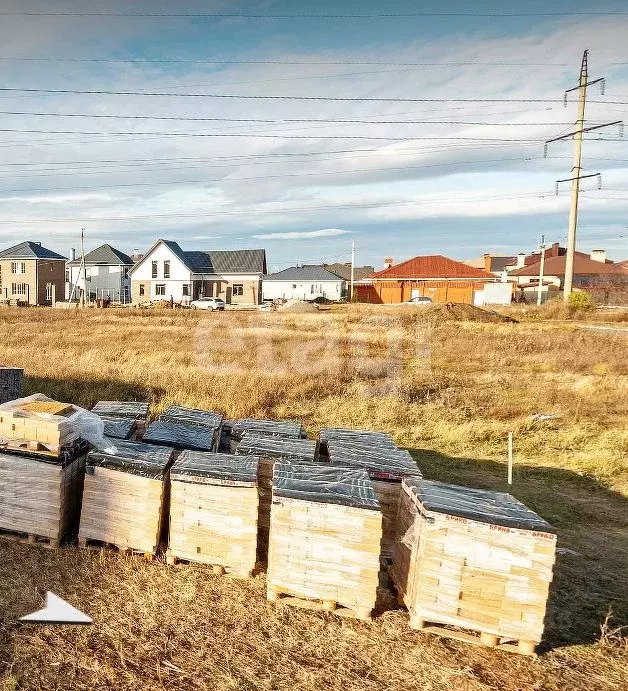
(324, 484)
(135, 410)
(216, 469)
(278, 428)
(119, 428)
(136, 458)
(366, 436)
(181, 436)
(73, 424)
(380, 460)
(485, 506)
(191, 416)
(278, 447)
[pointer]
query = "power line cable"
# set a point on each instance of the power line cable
(307, 15)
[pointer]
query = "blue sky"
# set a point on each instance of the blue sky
(462, 178)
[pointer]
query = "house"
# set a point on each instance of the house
(166, 272)
(344, 270)
(589, 270)
(31, 274)
(106, 275)
(494, 263)
(434, 276)
(303, 283)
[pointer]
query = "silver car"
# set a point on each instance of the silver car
(420, 300)
(210, 304)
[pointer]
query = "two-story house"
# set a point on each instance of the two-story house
(166, 272)
(106, 275)
(31, 274)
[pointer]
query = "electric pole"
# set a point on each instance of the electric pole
(576, 170)
(352, 270)
(539, 296)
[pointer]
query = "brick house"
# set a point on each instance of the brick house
(433, 276)
(31, 274)
(167, 272)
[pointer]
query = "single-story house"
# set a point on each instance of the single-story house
(106, 275)
(166, 272)
(303, 283)
(434, 276)
(494, 263)
(31, 274)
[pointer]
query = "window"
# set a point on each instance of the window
(160, 289)
(19, 289)
(48, 292)
(126, 273)
(186, 290)
(238, 289)
(142, 290)
(18, 267)
(166, 269)
(154, 273)
(67, 275)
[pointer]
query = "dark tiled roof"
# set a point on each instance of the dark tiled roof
(304, 273)
(105, 254)
(432, 266)
(226, 261)
(344, 271)
(29, 250)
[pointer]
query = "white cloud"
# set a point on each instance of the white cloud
(303, 235)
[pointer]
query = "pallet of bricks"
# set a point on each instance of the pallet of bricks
(271, 449)
(385, 463)
(476, 560)
(123, 419)
(42, 461)
(213, 511)
(185, 428)
(325, 535)
(10, 383)
(125, 497)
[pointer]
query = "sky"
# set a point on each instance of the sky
(304, 128)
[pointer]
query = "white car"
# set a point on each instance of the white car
(210, 304)
(420, 300)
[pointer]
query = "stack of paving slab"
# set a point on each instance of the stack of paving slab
(270, 428)
(213, 511)
(474, 559)
(186, 428)
(270, 449)
(125, 496)
(10, 383)
(42, 461)
(326, 529)
(385, 464)
(123, 419)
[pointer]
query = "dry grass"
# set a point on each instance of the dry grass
(449, 391)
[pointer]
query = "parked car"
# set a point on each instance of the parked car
(420, 300)
(210, 304)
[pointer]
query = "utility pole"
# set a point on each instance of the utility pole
(352, 270)
(576, 170)
(83, 267)
(539, 296)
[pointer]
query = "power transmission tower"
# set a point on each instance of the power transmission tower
(583, 83)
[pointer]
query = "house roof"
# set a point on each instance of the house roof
(583, 265)
(304, 273)
(344, 270)
(498, 262)
(29, 250)
(432, 266)
(105, 254)
(214, 261)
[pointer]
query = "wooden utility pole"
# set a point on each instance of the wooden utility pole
(539, 296)
(352, 270)
(583, 83)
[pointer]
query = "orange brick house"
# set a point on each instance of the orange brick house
(434, 276)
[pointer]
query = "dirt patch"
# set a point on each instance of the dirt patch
(298, 307)
(458, 312)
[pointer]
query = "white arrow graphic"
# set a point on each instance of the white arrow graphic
(57, 611)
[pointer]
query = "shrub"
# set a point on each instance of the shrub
(581, 300)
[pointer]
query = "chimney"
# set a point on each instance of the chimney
(72, 254)
(388, 262)
(598, 256)
(521, 260)
(487, 262)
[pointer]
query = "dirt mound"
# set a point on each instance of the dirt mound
(298, 307)
(459, 312)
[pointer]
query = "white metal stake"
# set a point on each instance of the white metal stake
(509, 458)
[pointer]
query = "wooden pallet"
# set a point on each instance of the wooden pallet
(30, 539)
(474, 636)
(217, 569)
(37, 447)
(277, 595)
(88, 543)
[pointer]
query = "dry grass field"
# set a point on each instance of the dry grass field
(450, 391)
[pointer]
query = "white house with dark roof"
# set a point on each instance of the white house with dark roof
(303, 283)
(166, 272)
(106, 275)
